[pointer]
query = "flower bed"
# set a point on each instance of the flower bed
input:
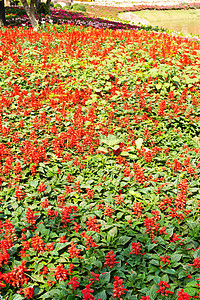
(17, 17)
(99, 164)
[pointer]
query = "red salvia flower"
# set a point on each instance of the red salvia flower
(137, 209)
(74, 283)
(92, 224)
(118, 288)
(31, 217)
(110, 260)
(196, 263)
(87, 292)
(183, 295)
(163, 285)
(41, 187)
(61, 273)
(136, 249)
(19, 194)
(28, 292)
(17, 276)
(165, 259)
(73, 251)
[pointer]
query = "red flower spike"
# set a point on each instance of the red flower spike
(118, 288)
(110, 260)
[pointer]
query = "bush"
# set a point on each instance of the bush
(43, 8)
(67, 7)
(79, 7)
(58, 5)
(51, 4)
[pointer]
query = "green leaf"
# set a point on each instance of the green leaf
(102, 149)
(60, 246)
(192, 283)
(50, 294)
(169, 271)
(182, 274)
(104, 278)
(175, 257)
(113, 232)
(190, 290)
(154, 262)
(101, 295)
(124, 239)
(111, 140)
(151, 246)
(17, 297)
(158, 86)
(138, 143)
(37, 278)
(33, 183)
(70, 297)
(152, 292)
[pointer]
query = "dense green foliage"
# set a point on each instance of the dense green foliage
(100, 163)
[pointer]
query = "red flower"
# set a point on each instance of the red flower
(28, 292)
(92, 224)
(41, 187)
(74, 283)
(19, 194)
(60, 273)
(183, 296)
(196, 263)
(163, 285)
(73, 251)
(87, 292)
(110, 260)
(175, 238)
(136, 249)
(137, 207)
(165, 259)
(31, 217)
(17, 276)
(118, 288)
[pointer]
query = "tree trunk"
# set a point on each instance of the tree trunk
(37, 4)
(31, 13)
(48, 3)
(2, 14)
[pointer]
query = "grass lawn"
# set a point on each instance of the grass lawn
(186, 21)
(181, 20)
(154, 16)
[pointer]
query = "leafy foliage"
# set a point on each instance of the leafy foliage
(99, 164)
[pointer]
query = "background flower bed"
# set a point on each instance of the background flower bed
(99, 164)
(16, 16)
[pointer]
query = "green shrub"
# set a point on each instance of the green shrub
(51, 4)
(58, 5)
(67, 7)
(79, 7)
(43, 8)
(21, 4)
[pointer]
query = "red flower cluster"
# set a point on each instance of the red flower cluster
(17, 277)
(136, 249)
(110, 260)
(92, 224)
(73, 251)
(165, 259)
(183, 295)
(163, 285)
(74, 283)
(61, 273)
(118, 288)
